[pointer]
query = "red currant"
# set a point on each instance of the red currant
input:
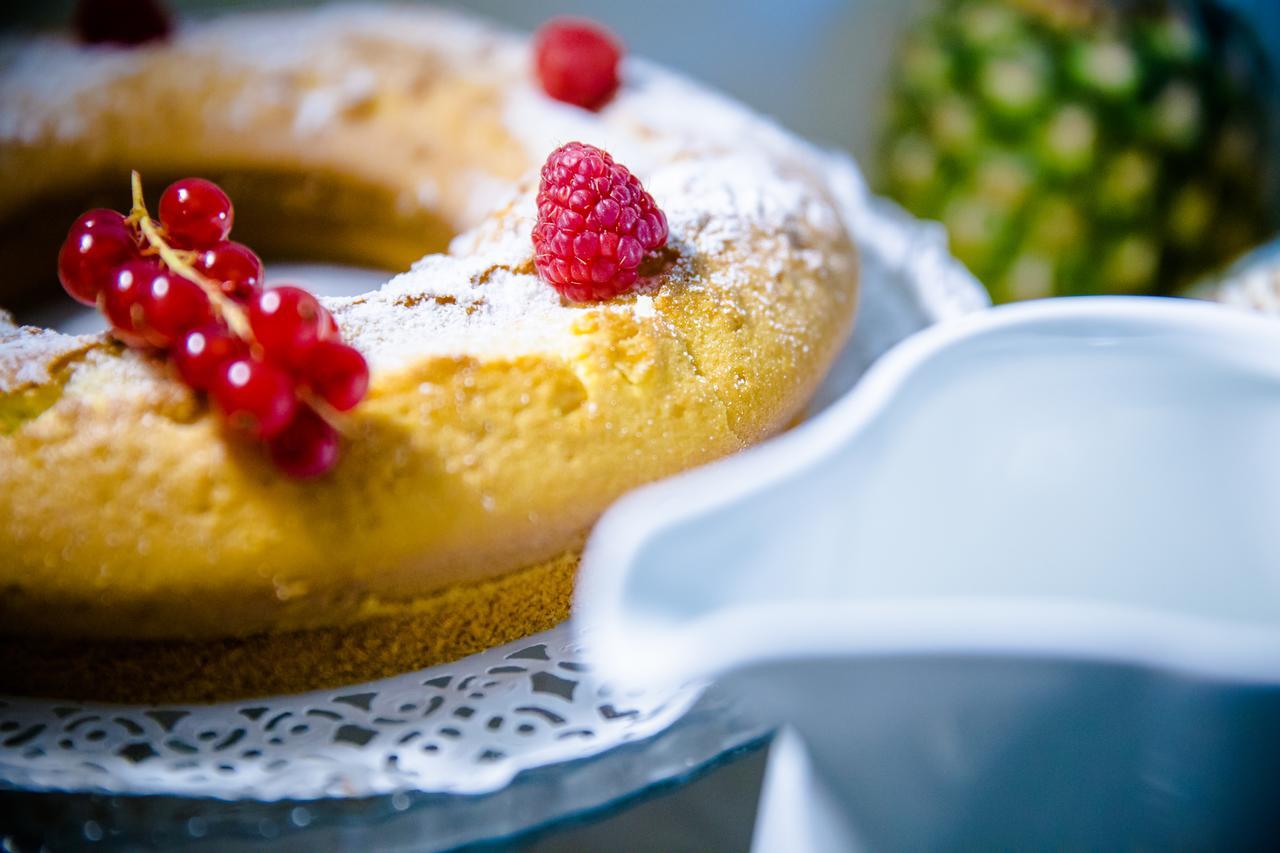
(287, 321)
(577, 62)
(328, 326)
(308, 447)
(123, 297)
(120, 21)
(171, 306)
(235, 267)
(255, 396)
(338, 373)
(97, 243)
(196, 213)
(201, 352)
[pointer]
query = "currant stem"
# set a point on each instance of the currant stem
(327, 413)
(178, 262)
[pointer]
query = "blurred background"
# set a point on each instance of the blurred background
(1069, 146)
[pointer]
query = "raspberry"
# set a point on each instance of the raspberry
(595, 224)
(125, 22)
(577, 62)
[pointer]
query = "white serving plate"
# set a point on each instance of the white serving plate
(1020, 587)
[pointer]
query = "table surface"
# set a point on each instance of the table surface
(713, 813)
(714, 810)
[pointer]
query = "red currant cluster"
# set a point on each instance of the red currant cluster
(272, 360)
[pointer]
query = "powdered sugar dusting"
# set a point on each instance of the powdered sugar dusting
(304, 60)
(725, 177)
(320, 105)
(481, 299)
(722, 175)
(28, 355)
(718, 201)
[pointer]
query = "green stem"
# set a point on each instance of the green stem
(178, 263)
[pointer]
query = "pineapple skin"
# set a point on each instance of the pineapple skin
(1078, 146)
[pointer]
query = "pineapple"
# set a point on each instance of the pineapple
(1083, 146)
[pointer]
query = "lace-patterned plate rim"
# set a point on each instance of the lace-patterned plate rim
(714, 732)
(467, 727)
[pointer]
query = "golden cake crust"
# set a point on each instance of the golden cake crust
(461, 620)
(500, 421)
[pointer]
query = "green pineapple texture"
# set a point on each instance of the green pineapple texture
(1083, 146)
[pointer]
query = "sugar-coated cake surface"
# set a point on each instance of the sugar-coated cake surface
(501, 419)
(714, 166)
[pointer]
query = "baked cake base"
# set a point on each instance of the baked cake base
(460, 621)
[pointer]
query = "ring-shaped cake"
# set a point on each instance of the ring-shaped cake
(146, 555)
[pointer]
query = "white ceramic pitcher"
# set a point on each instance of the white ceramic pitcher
(1020, 587)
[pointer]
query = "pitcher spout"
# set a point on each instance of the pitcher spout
(1067, 475)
